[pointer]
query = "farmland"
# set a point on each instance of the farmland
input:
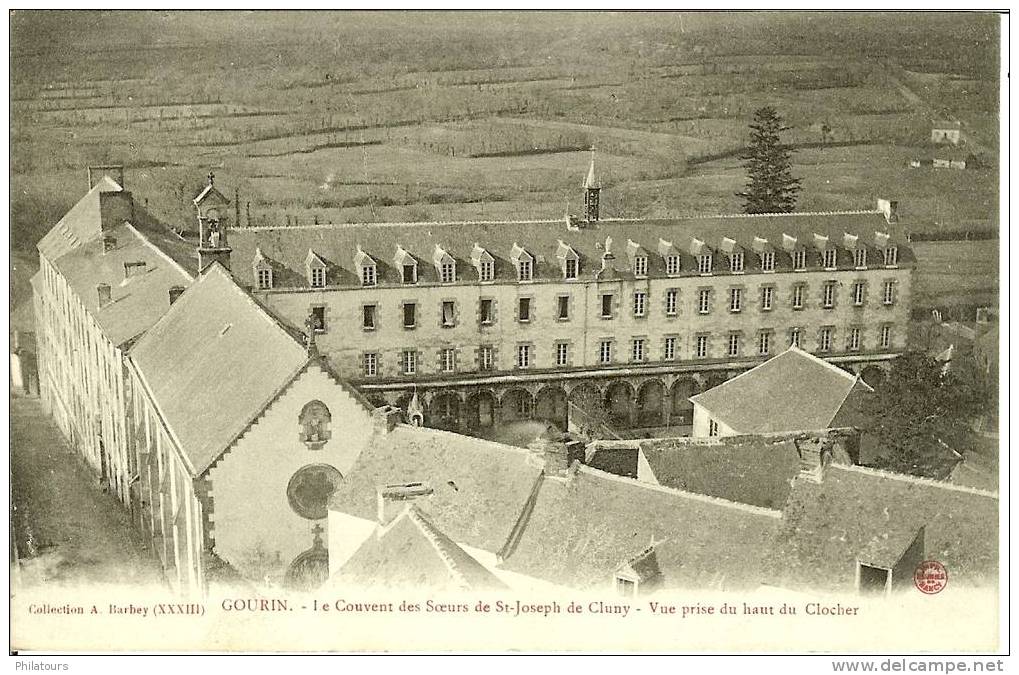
(409, 116)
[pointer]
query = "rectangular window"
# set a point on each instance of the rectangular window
(854, 339)
(669, 353)
(524, 270)
(318, 277)
(637, 352)
(486, 311)
(448, 314)
(447, 272)
(606, 306)
(410, 362)
(563, 308)
(794, 337)
(524, 309)
(485, 357)
(712, 428)
(410, 274)
(736, 262)
(409, 314)
(889, 294)
(368, 317)
(670, 301)
(798, 296)
(448, 360)
(523, 356)
(640, 266)
(605, 353)
(891, 256)
(766, 295)
(371, 365)
(265, 278)
(571, 268)
(318, 319)
(703, 301)
(735, 299)
(764, 344)
(824, 340)
(768, 261)
(860, 258)
(702, 346)
(368, 277)
(486, 270)
(828, 295)
(886, 337)
(734, 344)
(672, 265)
(858, 293)
(639, 303)
(562, 354)
(800, 259)
(830, 257)
(704, 264)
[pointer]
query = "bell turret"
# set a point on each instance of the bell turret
(592, 190)
(213, 225)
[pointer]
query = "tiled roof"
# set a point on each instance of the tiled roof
(411, 552)
(287, 247)
(791, 391)
(856, 512)
(747, 469)
(138, 300)
(79, 225)
(479, 487)
(581, 530)
(213, 362)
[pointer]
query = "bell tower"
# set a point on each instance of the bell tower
(592, 193)
(213, 226)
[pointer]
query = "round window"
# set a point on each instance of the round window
(310, 489)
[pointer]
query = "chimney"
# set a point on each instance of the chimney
(815, 456)
(114, 209)
(109, 243)
(105, 294)
(890, 208)
(556, 452)
(114, 171)
(175, 292)
(134, 269)
(385, 418)
(394, 498)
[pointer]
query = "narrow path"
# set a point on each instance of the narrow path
(66, 530)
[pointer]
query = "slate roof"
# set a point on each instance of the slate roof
(137, 301)
(411, 552)
(747, 469)
(856, 512)
(792, 391)
(581, 531)
(480, 487)
(79, 225)
(286, 248)
(213, 362)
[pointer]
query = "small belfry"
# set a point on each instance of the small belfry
(213, 224)
(592, 192)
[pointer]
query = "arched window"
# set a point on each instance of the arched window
(315, 422)
(310, 488)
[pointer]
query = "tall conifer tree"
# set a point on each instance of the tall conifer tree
(771, 187)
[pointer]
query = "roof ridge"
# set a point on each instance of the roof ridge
(906, 478)
(823, 361)
(159, 251)
(262, 310)
(716, 501)
(474, 439)
(432, 534)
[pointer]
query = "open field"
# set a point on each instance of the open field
(390, 116)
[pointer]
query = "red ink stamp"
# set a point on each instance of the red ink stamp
(930, 577)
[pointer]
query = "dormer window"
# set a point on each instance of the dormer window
(672, 265)
(524, 270)
(368, 275)
(407, 265)
(829, 257)
(768, 261)
(318, 277)
(860, 258)
(483, 262)
(800, 259)
(316, 268)
(569, 260)
(263, 271)
(410, 274)
(264, 278)
(638, 258)
(445, 265)
(891, 256)
(640, 266)
(524, 262)
(704, 263)
(736, 262)
(570, 270)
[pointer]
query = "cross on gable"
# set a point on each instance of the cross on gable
(212, 178)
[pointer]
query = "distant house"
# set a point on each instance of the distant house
(793, 391)
(946, 131)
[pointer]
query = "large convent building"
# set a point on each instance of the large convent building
(496, 321)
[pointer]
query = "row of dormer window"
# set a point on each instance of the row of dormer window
(570, 265)
(639, 350)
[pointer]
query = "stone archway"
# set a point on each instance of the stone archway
(481, 410)
(873, 375)
(650, 404)
(712, 380)
(619, 402)
(551, 406)
(682, 408)
(444, 411)
(516, 405)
